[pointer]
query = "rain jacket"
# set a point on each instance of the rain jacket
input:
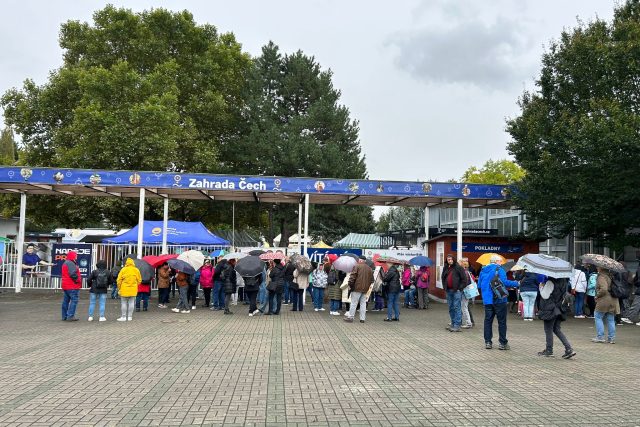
(228, 278)
(71, 277)
(163, 277)
(531, 282)
(424, 271)
(551, 307)
(459, 278)
(484, 283)
(277, 279)
(406, 277)
(92, 280)
(182, 279)
(605, 303)
(579, 281)
(206, 277)
(361, 278)
(128, 279)
(392, 280)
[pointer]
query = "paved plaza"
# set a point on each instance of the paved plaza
(307, 368)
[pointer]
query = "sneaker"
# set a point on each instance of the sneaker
(362, 321)
(72, 319)
(386, 319)
(598, 340)
(620, 324)
(488, 345)
(228, 312)
(285, 303)
(625, 320)
(568, 354)
(175, 310)
(250, 314)
(638, 324)
(396, 320)
(90, 319)
(348, 319)
(466, 326)
(315, 309)
(611, 341)
(579, 317)
(161, 306)
(129, 319)
(504, 347)
(256, 312)
(185, 311)
(546, 353)
(121, 319)
(193, 307)
(322, 309)
(455, 330)
(102, 319)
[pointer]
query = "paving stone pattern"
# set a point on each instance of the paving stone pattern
(307, 368)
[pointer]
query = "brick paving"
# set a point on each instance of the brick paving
(307, 368)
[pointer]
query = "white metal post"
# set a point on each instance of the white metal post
(140, 222)
(306, 223)
(165, 224)
(426, 230)
(459, 234)
(233, 226)
(299, 228)
(20, 244)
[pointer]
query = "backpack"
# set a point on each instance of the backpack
(497, 287)
(618, 288)
(102, 279)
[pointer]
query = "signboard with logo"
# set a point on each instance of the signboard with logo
(439, 264)
(59, 254)
(488, 247)
(317, 254)
(402, 254)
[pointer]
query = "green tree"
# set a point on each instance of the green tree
(577, 135)
(494, 172)
(400, 218)
(141, 91)
(8, 147)
(295, 126)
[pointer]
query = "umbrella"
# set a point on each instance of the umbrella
(194, 258)
(157, 260)
(301, 263)
(332, 257)
(508, 265)
(250, 266)
(388, 259)
(217, 253)
(354, 256)
(234, 255)
(421, 261)
(603, 261)
(546, 264)
(180, 265)
(345, 263)
(370, 263)
(485, 259)
(272, 255)
(146, 270)
(257, 252)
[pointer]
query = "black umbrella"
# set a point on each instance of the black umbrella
(249, 266)
(354, 256)
(257, 252)
(180, 265)
(146, 270)
(370, 263)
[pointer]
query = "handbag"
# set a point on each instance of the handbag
(498, 288)
(471, 291)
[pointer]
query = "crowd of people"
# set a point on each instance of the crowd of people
(281, 283)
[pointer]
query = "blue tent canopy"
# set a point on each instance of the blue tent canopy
(178, 233)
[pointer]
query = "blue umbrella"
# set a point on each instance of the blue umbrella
(421, 261)
(180, 265)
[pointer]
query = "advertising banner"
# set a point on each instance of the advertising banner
(317, 254)
(59, 255)
(488, 247)
(401, 254)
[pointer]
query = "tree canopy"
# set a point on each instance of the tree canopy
(578, 135)
(494, 172)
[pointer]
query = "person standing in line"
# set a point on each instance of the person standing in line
(71, 284)
(423, 275)
(275, 288)
(251, 288)
(218, 286)
(392, 284)
(408, 287)
(494, 306)
(319, 284)
(553, 312)
(192, 289)
(144, 292)
(335, 293)
(163, 285)
(288, 290)
(99, 281)
(578, 289)
(129, 279)
(229, 280)
(592, 277)
(467, 319)
(529, 286)
(360, 282)
(263, 293)
(606, 308)
(301, 282)
(454, 280)
(182, 282)
(206, 281)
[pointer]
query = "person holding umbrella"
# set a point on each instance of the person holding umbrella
(606, 307)
(182, 281)
(275, 287)
(250, 269)
(392, 283)
(163, 285)
(553, 312)
(229, 280)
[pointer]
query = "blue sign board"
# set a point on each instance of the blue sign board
(317, 254)
(488, 247)
(59, 255)
(2, 246)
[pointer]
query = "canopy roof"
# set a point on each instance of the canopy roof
(178, 233)
(356, 240)
(86, 182)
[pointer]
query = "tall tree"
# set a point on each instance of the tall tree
(400, 218)
(295, 126)
(494, 172)
(577, 136)
(142, 91)
(8, 147)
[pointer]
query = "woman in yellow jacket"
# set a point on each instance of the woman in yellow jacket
(128, 280)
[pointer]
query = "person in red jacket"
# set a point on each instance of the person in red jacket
(144, 292)
(71, 284)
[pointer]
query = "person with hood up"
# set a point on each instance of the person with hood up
(144, 292)
(275, 287)
(251, 288)
(553, 312)
(229, 279)
(422, 283)
(164, 284)
(494, 306)
(206, 281)
(391, 282)
(128, 281)
(454, 280)
(71, 284)
(182, 281)
(99, 281)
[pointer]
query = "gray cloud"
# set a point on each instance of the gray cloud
(470, 52)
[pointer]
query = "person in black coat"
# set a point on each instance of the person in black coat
(392, 285)
(228, 278)
(251, 288)
(99, 281)
(553, 312)
(275, 287)
(454, 280)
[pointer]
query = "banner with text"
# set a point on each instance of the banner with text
(60, 251)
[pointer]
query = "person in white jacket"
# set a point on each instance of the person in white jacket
(578, 289)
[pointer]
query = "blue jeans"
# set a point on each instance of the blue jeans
(528, 302)
(318, 297)
(490, 312)
(336, 304)
(218, 294)
(454, 299)
(611, 325)
(287, 293)
(409, 296)
(393, 305)
(92, 303)
(144, 297)
(114, 292)
(262, 298)
(579, 304)
(69, 303)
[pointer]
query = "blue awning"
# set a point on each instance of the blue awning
(178, 233)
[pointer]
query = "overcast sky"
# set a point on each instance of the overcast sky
(430, 82)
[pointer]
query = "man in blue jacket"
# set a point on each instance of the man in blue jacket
(494, 307)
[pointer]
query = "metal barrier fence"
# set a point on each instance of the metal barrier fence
(112, 254)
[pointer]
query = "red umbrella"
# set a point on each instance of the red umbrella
(332, 257)
(157, 260)
(272, 255)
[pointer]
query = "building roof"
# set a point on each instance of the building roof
(356, 240)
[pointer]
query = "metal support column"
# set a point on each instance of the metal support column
(20, 242)
(299, 228)
(306, 223)
(165, 224)
(141, 222)
(426, 230)
(459, 231)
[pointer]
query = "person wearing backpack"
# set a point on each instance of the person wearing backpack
(71, 284)
(607, 306)
(99, 281)
(553, 312)
(335, 293)
(454, 280)
(495, 305)
(422, 283)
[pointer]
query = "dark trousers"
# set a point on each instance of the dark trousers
(275, 301)
(192, 293)
(144, 297)
(252, 295)
(227, 300)
(163, 295)
(591, 303)
(296, 296)
(553, 327)
(207, 296)
(490, 312)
